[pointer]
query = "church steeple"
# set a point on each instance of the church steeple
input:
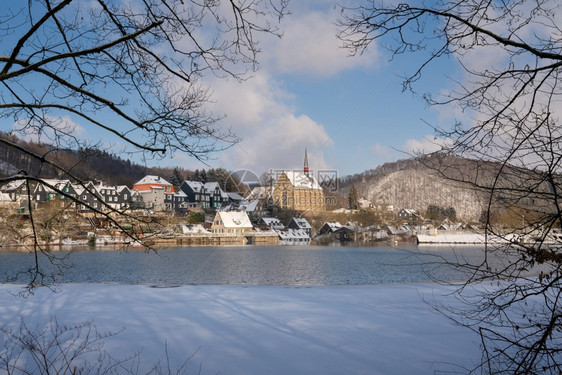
(305, 163)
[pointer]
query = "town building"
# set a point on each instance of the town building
(329, 227)
(217, 196)
(231, 223)
(15, 189)
(197, 194)
(271, 222)
(300, 223)
(293, 237)
(299, 190)
(150, 182)
(408, 214)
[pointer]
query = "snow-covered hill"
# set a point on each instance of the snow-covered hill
(418, 184)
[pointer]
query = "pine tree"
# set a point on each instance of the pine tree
(352, 198)
(176, 178)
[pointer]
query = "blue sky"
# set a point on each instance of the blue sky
(349, 112)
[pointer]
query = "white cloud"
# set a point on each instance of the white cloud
(273, 135)
(53, 130)
(425, 145)
(309, 47)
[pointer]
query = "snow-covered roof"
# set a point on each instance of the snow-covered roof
(301, 180)
(293, 234)
(235, 196)
(301, 222)
(196, 186)
(102, 186)
(120, 188)
(12, 185)
(58, 184)
(272, 222)
(235, 219)
(249, 206)
(149, 179)
(333, 225)
(180, 194)
(211, 186)
(5, 197)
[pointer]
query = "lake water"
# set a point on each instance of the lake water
(253, 265)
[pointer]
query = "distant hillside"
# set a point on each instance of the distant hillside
(86, 164)
(93, 164)
(413, 184)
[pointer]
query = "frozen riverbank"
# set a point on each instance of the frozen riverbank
(378, 329)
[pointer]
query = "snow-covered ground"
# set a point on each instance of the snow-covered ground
(371, 329)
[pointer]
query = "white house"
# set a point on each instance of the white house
(231, 223)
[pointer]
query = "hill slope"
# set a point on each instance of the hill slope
(413, 183)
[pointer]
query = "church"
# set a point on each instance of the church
(299, 190)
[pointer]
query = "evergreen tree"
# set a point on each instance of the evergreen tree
(176, 178)
(352, 198)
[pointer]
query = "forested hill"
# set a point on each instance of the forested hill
(415, 183)
(93, 164)
(86, 164)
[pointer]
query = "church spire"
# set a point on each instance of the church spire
(305, 163)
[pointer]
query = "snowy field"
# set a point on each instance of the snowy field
(378, 329)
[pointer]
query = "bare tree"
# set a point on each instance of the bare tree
(509, 149)
(129, 72)
(71, 349)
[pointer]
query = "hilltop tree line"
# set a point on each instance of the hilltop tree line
(94, 164)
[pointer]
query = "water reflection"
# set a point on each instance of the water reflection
(257, 265)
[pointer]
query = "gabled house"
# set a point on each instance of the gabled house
(254, 206)
(180, 204)
(14, 189)
(329, 227)
(300, 223)
(231, 223)
(156, 199)
(126, 197)
(196, 193)
(271, 222)
(109, 196)
(293, 237)
(136, 200)
(408, 214)
(150, 182)
(51, 189)
(217, 196)
(90, 197)
(346, 234)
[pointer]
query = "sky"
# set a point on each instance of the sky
(348, 112)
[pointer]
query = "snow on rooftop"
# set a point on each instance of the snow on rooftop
(235, 219)
(301, 222)
(12, 185)
(302, 180)
(150, 179)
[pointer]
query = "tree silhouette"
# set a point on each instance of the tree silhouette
(513, 138)
(130, 73)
